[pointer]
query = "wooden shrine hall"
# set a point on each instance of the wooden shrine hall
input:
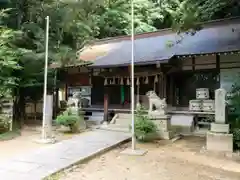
(173, 65)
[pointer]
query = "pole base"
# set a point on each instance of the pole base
(134, 152)
(46, 141)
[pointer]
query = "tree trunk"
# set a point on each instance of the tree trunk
(19, 108)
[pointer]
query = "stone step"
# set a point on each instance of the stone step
(95, 118)
(115, 127)
(124, 116)
(91, 123)
(123, 121)
(97, 114)
(94, 122)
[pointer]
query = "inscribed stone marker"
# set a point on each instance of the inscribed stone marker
(220, 106)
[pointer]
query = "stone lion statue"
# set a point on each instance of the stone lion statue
(155, 101)
(75, 100)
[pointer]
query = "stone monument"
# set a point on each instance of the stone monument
(157, 113)
(218, 138)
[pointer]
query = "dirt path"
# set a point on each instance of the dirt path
(177, 161)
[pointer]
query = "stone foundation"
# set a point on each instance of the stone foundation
(167, 135)
(163, 124)
(219, 128)
(219, 142)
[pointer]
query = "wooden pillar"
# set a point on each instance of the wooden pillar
(218, 71)
(160, 86)
(66, 91)
(171, 90)
(138, 98)
(122, 90)
(106, 107)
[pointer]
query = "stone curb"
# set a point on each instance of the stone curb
(90, 157)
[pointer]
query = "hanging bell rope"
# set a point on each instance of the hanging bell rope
(121, 81)
(156, 79)
(146, 80)
(105, 82)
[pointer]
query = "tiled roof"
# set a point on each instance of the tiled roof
(152, 47)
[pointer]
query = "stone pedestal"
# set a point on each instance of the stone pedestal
(219, 139)
(220, 128)
(163, 124)
(47, 124)
(47, 136)
(219, 142)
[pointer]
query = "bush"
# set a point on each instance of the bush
(68, 119)
(234, 114)
(144, 127)
(236, 138)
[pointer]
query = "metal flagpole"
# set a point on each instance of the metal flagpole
(45, 80)
(132, 78)
(133, 150)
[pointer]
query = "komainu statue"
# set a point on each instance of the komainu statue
(157, 106)
(75, 100)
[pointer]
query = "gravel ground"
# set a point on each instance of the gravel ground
(164, 161)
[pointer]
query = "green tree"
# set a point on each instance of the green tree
(114, 17)
(187, 14)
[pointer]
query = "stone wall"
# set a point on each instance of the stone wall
(7, 111)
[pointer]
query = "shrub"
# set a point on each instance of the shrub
(234, 114)
(143, 126)
(236, 138)
(68, 119)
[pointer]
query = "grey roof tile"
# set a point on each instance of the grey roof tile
(152, 49)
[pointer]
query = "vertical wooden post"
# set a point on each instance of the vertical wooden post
(164, 80)
(138, 95)
(218, 70)
(160, 86)
(122, 95)
(105, 107)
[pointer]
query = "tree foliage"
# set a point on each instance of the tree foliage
(187, 14)
(75, 23)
